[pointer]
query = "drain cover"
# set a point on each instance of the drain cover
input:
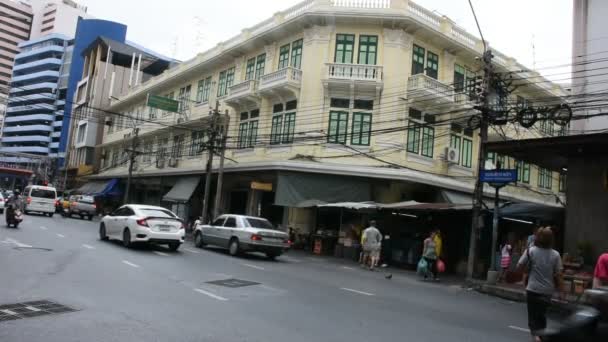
(10, 312)
(233, 283)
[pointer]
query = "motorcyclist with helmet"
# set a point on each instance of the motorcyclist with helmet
(13, 204)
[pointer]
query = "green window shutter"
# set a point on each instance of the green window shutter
(428, 141)
(466, 154)
(417, 60)
(275, 131)
(368, 48)
(459, 75)
(413, 138)
(432, 65)
(296, 54)
(243, 136)
(361, 129)
(345, 44)
(250, 69)
(253, 133)
(260, 64)
(284, 56)
(221, 84)
(289, 127)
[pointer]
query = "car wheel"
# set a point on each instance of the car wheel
(51, 214)
(126, 238)
(102, 232)
(198, 240)
(272, 256)
(233, 247)
(90, 217)
(1, 211)
(173, 246)
(81, 217)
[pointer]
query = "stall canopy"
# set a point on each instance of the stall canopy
(350, 205)
(100, 188)
(532, 212)
(295, 188)
(182, 190)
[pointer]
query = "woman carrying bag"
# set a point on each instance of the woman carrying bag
(544, 267)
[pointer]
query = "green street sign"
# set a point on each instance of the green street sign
(163, 103)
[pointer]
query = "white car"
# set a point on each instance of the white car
(133, 223)
(41, 199)
(239, 233)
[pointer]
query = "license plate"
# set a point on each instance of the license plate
(164, 228)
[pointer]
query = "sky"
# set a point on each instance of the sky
(183, 28)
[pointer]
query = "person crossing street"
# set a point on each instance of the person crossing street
(372, 243)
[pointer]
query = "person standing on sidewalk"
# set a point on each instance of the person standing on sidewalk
(372, 242)
(544, 267)
(600, 274)
(429, 253)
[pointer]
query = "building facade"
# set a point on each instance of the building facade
(35, 110)
(328, 101)
(588, 45)
(15, 27)
(56, 16)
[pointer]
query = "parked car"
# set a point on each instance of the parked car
(239, 233)
(133, 223)
(83, 206)
(40, 199)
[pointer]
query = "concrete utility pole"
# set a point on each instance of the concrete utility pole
(220, 173)
(211, 147)
(132, 155)
(484, 108)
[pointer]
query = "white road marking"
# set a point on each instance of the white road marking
(43, 228)
(16, 243)
(87, 246)
(357, 291)
(347, 268)
(60, 235)
(191, 250)
(290, 259)
(214, 296)
(31, 308)
(254, 266)
(160, 253)
(519, 329)
(9, 312)
(130, 263)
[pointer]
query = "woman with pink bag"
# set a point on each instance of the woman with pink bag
(505, 260)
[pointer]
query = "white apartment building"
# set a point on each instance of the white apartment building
(589, 46)
(56, 16)
(328, 101)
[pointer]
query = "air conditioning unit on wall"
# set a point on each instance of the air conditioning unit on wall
(452, 155)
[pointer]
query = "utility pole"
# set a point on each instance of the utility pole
(484, 108)
(211, 144)
(220, 174)
(132, 155)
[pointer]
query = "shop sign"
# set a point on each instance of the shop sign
(261, 186)
(162, 103)
(498, 176)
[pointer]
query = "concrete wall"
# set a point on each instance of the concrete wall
(587, 193)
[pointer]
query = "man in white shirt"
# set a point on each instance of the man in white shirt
(372, 243)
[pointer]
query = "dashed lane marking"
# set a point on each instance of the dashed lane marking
(357, 291)
(43, 228)
(31, 308)
(347, 268)
(519, 329)
(209, 294)
(60, 235)
(191, 250)
(160, 253)
(16, 243)
(130, 264)
(88, 246)
(8, 312)
(254, 266)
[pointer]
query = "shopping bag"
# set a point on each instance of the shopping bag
(440, 266)
(423, 267)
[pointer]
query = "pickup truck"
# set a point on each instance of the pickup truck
(83, 206)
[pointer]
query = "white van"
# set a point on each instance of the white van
(40, 199)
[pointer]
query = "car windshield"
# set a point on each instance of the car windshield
(259, 223)
(157, 213)
(87, 199)
(43, 193)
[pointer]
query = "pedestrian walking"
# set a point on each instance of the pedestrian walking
(505, 260)
(371, 241)
(600, 274)
(429, 253)
(544, 267)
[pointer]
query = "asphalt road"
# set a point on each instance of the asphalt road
(152, 294)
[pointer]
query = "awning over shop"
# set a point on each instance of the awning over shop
(182, 190)
(100, 188)
(294, 188)
(532, 212)
(351, 205)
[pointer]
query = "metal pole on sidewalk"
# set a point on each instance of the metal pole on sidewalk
(211, 143)
(220, 174)
(495, 229)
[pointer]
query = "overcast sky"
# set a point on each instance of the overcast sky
(182, 28)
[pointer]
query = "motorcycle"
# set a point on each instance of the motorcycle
(14, 217)
(585, 323)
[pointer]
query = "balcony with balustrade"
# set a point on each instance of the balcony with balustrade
(243, 93)
(360, 78)
(424, 91)
(284, 82)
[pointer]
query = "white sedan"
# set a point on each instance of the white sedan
(133, 223)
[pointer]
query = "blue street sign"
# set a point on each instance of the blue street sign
(498, 176)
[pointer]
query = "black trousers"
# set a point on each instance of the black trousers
(432, 266)
(537, 310)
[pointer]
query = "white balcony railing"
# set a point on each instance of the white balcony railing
(430, 88)
(246, 88)
(281, 77)
(354, 72)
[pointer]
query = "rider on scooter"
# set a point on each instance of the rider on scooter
(14, 203)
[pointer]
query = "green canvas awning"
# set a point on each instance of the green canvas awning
(182, 190)
(293, 189)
